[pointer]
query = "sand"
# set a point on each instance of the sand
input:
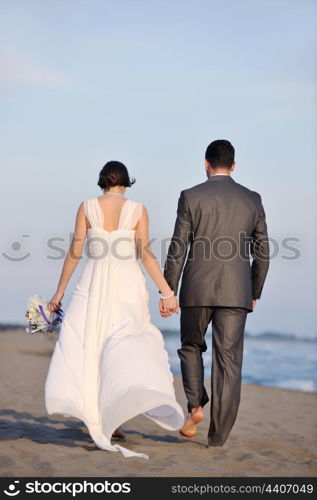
(274, 434)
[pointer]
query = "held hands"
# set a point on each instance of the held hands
(168, 306)
(55, 302)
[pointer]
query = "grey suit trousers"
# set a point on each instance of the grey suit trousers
(228, 325)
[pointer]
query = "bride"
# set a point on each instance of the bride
(109, 363)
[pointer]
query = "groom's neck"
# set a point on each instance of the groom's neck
(219, 171)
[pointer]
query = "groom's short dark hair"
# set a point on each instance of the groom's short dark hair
(220, 153)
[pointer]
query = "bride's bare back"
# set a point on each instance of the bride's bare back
(111, 207)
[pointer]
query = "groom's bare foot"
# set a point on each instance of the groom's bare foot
(189, 429)
(118, 433)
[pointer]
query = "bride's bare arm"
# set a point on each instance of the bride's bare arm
(150, 262)
(73, 256)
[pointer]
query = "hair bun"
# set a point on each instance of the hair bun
(114, 173)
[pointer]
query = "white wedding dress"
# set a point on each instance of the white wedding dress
(109, 363)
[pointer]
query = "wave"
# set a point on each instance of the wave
(268, 335)
(299, 385)
(279, 336)
(281, 382)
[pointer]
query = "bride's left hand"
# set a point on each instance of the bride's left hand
(55, 302)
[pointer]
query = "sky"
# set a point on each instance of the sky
(152, 83)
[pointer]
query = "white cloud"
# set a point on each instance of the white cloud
(18, 68)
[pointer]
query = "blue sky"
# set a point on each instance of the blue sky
(151, 83)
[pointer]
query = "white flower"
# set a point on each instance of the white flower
(33, 307)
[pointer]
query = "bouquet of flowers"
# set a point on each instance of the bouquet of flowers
(39, 318)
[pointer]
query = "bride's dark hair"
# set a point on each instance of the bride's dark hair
(114, 173)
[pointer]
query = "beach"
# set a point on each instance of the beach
(275, 433)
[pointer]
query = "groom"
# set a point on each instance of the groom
(219, 225)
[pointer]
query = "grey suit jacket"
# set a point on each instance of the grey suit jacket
(220, 225)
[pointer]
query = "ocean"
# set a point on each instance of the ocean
(270, 359)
